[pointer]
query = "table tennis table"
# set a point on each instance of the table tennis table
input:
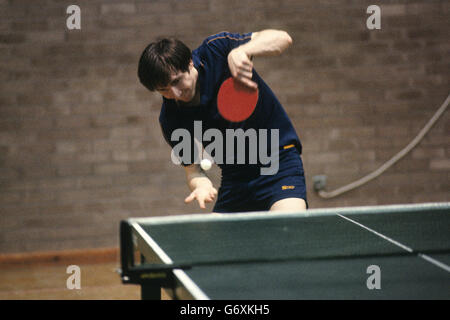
(370, 252)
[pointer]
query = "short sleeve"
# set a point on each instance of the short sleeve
(222, 43)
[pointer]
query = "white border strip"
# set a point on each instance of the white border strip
(205, 217)
(398, 244)
(435, 262)
(156, 248)
(187, 282)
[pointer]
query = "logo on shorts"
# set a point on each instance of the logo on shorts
(287, 187)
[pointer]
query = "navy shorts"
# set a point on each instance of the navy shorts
(259, 193)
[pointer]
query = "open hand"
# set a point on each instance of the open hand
(203, 195)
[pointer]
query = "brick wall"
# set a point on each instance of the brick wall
(80, 144)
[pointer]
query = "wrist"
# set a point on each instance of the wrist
(247, 49)
(200, 182)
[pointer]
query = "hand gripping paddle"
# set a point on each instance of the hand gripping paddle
(236, 101)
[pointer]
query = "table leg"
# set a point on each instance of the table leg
(149, 292)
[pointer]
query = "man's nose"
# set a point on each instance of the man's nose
(176, 92)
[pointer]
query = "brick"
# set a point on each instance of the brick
(352, 60)
(56, 183)
(423, 153)
(45, 36)
(66, 147)
(35, 98)
(327, 157)
(10, 197)
(109, 145)
(423, 8)
(111, 169)
(109, 120)
(393, 131)
(407, 165)
(154, 7)
(12, 38)
(388, 10)
(117, 8)
(339, 96)
(302, 98)
(38, 197)
(407, 46)
(94, 182)
(85, 108)
(319, 62)
(133, 180)
(440, 164)
(74, 170)
(431, 197)
(358, 155)
(126, 132)
(354, 37)
(423, 33)
(192, 6)
(30, 25)
(71, 122)
(407, 95)
(137, 155)
(94, 157)
(144, 167)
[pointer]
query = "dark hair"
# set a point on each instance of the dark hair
(160, 59)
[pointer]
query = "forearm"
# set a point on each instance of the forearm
(263, 43)
(267, 43)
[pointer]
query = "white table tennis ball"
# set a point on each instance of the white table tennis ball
(205, 164)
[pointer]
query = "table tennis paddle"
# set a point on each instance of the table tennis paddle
(235, 101)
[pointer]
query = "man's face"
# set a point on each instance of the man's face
(181, 86)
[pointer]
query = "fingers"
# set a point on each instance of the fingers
(244, 76)
(244, 73)
(206, 199)
(190, 197)
(241, 68)
(202, 197)
(194, 195)
(201, 203)
(212, 195)
(248, 82)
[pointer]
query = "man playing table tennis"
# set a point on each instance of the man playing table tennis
(189, 83)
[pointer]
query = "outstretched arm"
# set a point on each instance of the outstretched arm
(264, 43)
(201, 187)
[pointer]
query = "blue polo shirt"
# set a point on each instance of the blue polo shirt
(210, 60)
